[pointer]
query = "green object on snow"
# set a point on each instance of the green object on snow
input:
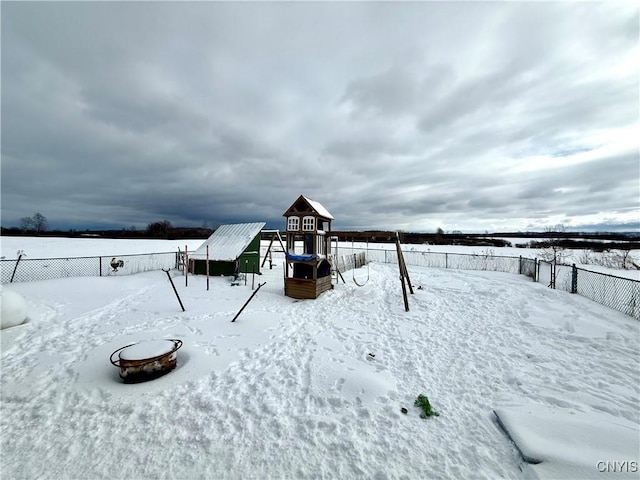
(423, 403)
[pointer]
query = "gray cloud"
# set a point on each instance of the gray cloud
(469, 116)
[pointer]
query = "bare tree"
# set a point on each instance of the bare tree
(26, 224)
(37, 223)
(40, 223)
(554, 252)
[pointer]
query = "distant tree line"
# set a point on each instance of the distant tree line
(438, 238)
(550, 239)
(164, 229)
(38, 225)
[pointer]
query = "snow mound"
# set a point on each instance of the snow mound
(14, 308)
(147, 349)
(558, 443)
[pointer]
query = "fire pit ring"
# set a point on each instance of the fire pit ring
(142, 361)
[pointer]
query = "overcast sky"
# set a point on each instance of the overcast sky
(473, 116)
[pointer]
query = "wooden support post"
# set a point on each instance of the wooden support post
(268, 251)
(186, 266)
(404, 294)
(406, 273)
(275, 235)
(207, 267)
(402, 269)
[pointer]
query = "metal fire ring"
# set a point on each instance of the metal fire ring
(145, 361)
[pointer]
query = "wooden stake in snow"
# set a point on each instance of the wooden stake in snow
(174, 288)
(247, 302)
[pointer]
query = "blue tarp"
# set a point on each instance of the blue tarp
(301, 258)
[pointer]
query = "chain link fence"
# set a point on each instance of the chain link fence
(461, 261)
(33, 269)
(619, 293)
(622, 294)
(528, 267)
(359, 258)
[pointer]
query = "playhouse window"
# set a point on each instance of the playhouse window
(308, 224)
(293, 224)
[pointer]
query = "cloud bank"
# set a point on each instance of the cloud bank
(418, 115)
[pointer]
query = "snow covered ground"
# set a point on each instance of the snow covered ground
(290, 390)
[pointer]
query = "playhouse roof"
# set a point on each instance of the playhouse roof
(316, 206)
(228, 242)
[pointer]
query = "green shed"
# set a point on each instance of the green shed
(233, 248)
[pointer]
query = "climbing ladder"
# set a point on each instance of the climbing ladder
(180, 260)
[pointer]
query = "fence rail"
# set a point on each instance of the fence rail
(622, 294)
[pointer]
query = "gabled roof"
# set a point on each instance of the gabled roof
(228, 242)
(315, 207)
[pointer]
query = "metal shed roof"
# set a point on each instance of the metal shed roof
(228, 242)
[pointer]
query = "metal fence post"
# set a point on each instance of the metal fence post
(574, 279)
(446, 260)
(15, 268)
(100, 265)
(520, 265)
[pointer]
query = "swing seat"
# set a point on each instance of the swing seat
(353, 276)
(360, 284)
(353, 270)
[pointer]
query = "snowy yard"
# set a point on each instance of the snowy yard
(290, 391)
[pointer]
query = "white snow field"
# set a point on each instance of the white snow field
(290, 391)
(53, 247)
